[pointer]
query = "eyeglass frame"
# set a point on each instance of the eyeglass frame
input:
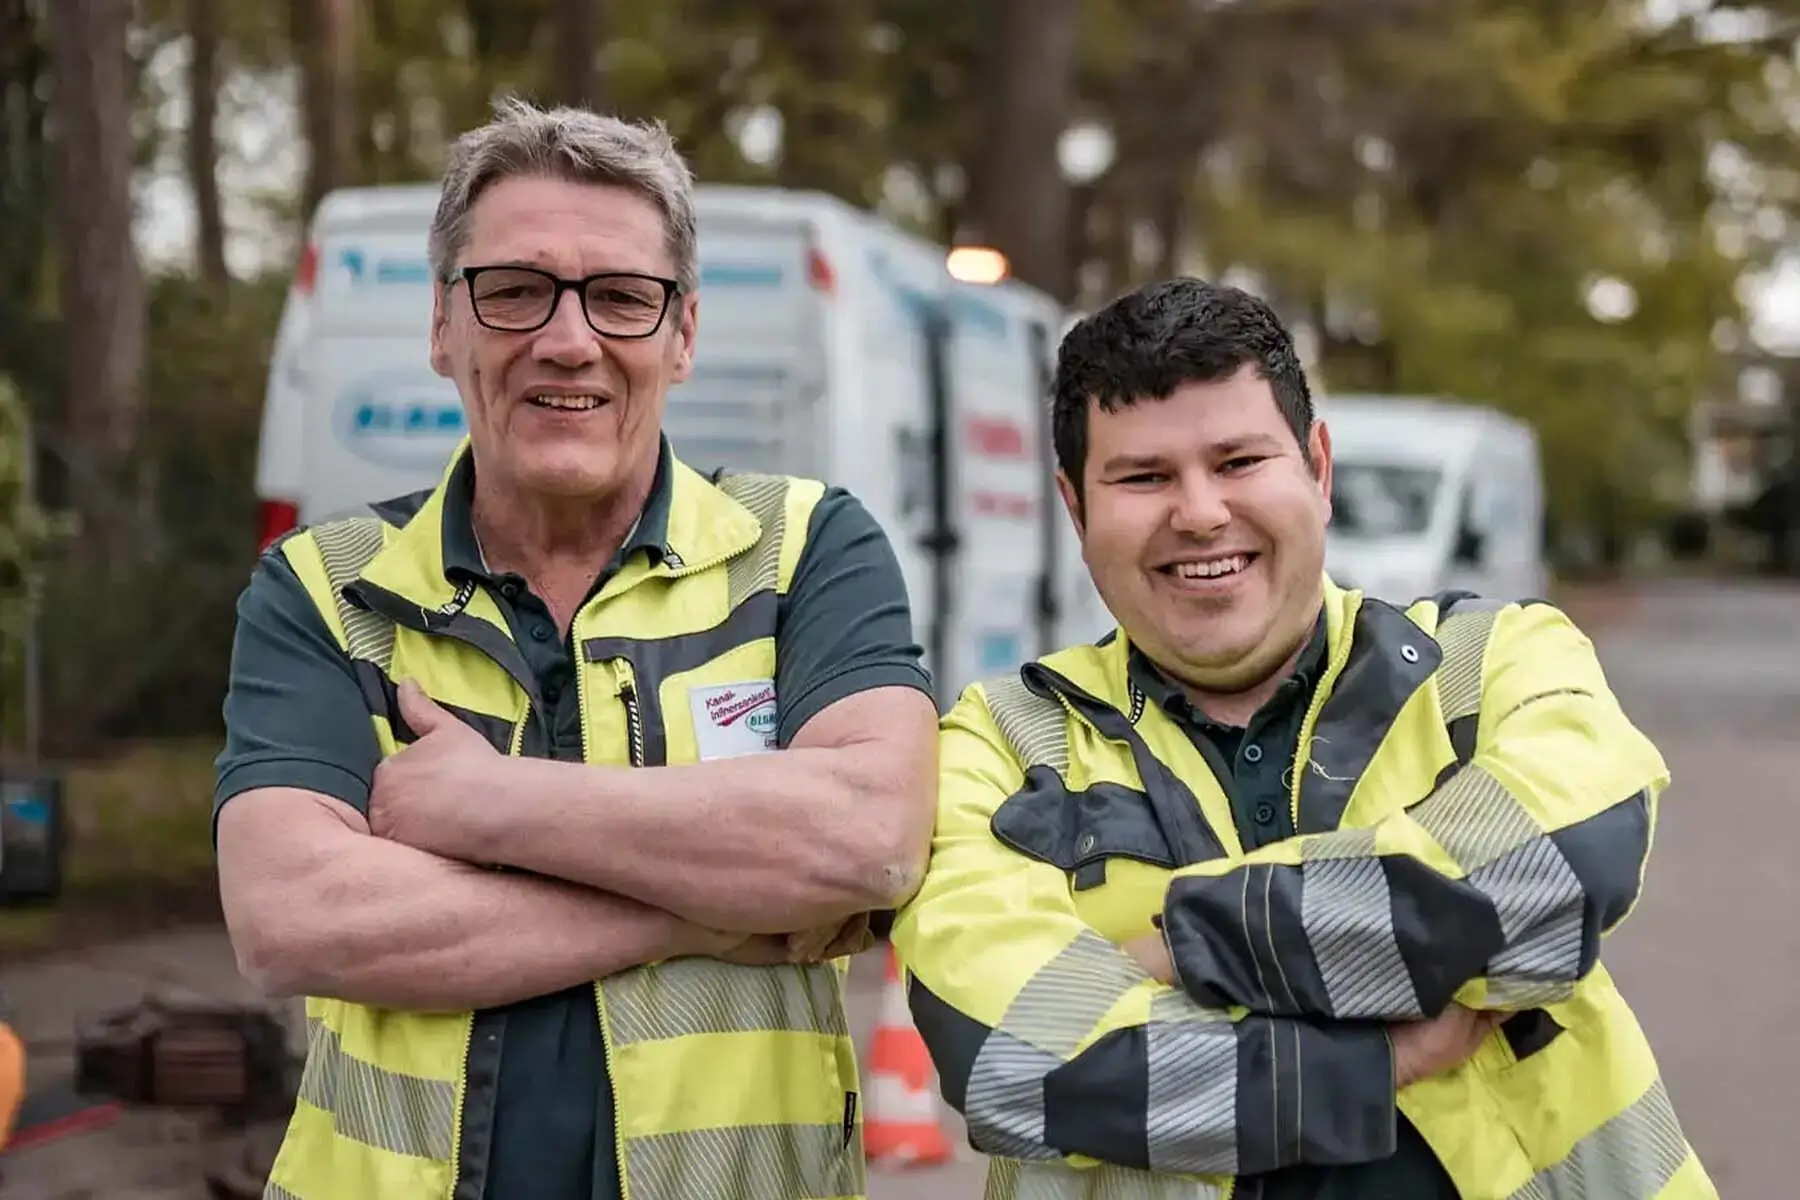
(671, 289)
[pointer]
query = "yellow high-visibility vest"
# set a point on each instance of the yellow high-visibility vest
(729, 1081)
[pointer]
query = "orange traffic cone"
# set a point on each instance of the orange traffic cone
(900, 1128)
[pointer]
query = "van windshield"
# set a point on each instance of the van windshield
(1382, 500)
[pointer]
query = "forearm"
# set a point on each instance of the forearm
(1390, 923)
(1186, 1090)
(764, 844)
(380, 923)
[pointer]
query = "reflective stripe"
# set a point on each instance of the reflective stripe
(759, 570)
(1192, 1054)
(1463, 637)
(1009, 1179)
(346, 547)
(1048, 1019)
(1634, 1156)
(1035, 727)
(746, 1162)
(701, 995)
(1512, 861)
(274, 1191)
(1347, 912)
(400, 1113)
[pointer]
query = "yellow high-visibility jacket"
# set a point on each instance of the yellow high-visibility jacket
(1474, 811)
(729, 1080)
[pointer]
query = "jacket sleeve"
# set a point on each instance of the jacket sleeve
(1054, 1044)
(1494, 890)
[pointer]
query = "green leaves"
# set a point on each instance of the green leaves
(27, 533)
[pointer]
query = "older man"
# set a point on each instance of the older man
(496, 796)
(1281, 891)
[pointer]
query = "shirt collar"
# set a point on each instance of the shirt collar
(1160, 687)
(462, 549)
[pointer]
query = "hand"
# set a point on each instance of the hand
(822, 944)
(1152, 954)
(437, 793)
(831, 941)
(1423, 1049)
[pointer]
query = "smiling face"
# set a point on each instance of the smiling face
(1204, 528)
(562, 412)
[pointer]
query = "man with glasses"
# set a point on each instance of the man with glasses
(561, 790)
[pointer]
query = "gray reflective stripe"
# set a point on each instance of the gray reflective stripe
(1512, 861)
(274, 1191)
(759, 570)
(746, 1162)
(1036, 729)
(347, 547)
(1634, 1156)
(1463, 637)
(399, 1113)
(1347, 911)
(1046, 1021)
(1192, 1055)
(701, 995)
(1010, 1179)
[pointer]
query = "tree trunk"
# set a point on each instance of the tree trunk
(1018, 199)
(826, 142)
(203, 142)
(103, 289)
(579, 25)
(323, 33)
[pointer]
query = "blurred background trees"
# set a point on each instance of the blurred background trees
(1554, 206)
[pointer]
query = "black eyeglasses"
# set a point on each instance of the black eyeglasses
(619, 304)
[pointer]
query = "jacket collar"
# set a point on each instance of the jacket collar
(688, 526)
(1378, 659)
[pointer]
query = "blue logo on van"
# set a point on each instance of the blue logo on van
(401, 418)
(383, 270)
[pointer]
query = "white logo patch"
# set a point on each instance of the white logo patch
(734, 719)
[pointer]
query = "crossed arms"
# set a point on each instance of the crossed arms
(1271, 1049)
(343, 879)
(693, 859)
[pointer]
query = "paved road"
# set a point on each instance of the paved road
(1712, 673)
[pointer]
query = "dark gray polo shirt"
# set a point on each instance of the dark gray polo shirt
(295, 717)
(1252, 763)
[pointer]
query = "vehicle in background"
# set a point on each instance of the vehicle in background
(1430, 494)
(833, 344)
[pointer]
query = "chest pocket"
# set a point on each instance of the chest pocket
(1078, 831)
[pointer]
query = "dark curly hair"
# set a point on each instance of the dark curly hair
(1145, 344)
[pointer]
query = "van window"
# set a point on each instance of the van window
(1380, 500)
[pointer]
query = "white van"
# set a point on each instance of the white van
(1430, 494)
(832, 344)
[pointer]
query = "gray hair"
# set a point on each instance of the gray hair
(572, 144)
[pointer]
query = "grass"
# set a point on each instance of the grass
(139, 850)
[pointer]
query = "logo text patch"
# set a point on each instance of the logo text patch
(734, 719)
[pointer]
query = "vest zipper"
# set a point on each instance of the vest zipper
(1303, 746)
(634, 721)
(634, 727)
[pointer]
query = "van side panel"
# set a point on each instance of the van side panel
(381, 422)
(755, 399)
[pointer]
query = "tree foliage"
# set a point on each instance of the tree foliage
(1433, 191)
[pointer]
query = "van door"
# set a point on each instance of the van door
(753, 401)
(998, 449)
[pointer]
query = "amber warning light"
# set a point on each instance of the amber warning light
(977, 264)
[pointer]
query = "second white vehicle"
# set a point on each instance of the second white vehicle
(1429, 495)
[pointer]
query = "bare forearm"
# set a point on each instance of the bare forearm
(765, 844)
(383, 924)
